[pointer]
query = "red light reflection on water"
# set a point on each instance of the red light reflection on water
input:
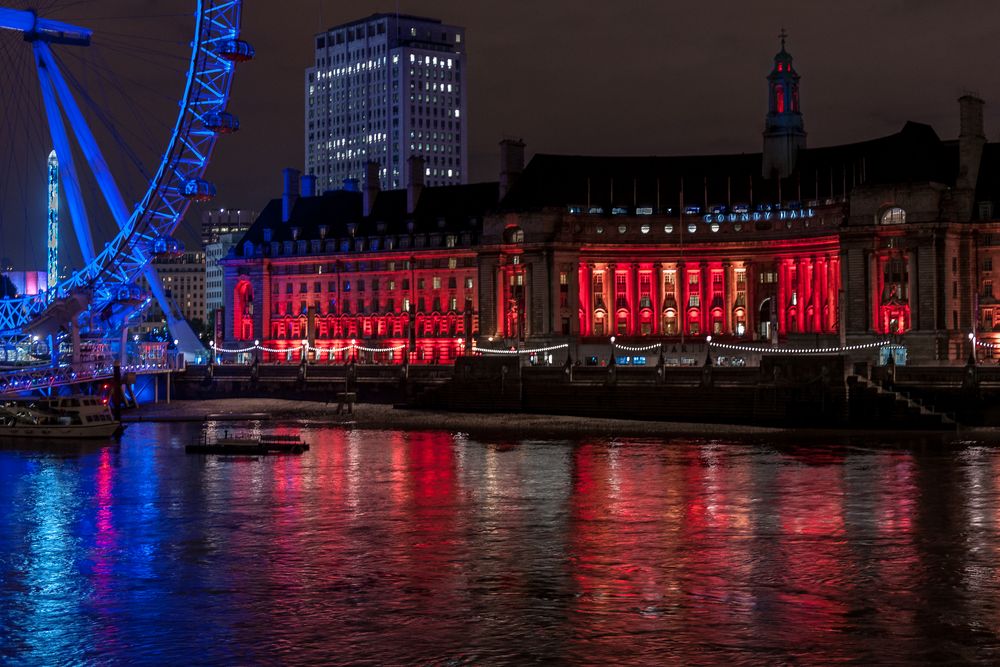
(104, 553)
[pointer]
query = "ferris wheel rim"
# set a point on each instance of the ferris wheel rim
(185, 159)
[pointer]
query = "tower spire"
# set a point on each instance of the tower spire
(784, 130)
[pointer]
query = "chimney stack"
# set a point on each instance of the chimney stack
(309, 185)
(511, 163)
(371, 187)
(291, 193)
(971, 141)
(414, 182)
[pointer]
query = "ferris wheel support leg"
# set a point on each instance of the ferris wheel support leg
(188, 342)
(71, 182)
(88, 144)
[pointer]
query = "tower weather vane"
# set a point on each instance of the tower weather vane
(783, 35)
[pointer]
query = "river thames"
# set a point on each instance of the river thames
(395, 547)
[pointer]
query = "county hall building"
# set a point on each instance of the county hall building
(891, 238)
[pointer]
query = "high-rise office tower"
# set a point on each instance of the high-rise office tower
(383, 89)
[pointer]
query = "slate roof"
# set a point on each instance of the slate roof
(445, 209)
(914, 154)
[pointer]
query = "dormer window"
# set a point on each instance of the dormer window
(513, 235)
(893, 216)
(267, 235)
(295, 233)
(322, 231)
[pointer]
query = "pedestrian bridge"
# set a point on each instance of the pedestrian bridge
(41, 378)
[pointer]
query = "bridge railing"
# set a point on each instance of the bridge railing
(34, 378)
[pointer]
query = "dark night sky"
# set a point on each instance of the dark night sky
(625, 77)
(635, 77)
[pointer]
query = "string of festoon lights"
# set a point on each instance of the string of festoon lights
(799, 350)
(537, 350)
(319, 350)
(983, 343)
(644, 348)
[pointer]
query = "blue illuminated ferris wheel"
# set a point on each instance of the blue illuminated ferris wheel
(89, 114)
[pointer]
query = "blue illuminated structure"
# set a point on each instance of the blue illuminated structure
(115, 268)
(52, 239)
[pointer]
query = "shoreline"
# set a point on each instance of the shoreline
(374, 416)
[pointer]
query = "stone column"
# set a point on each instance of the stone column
(802, 282)
(880, 290)
(681, 295)
(633, 309)
(501, 306)
(822, 293)
(573, 298)
(728, 281)
(871, 288)
(656, 296)
(611, 328)
(911, 287)
(587, 296)
(782, 295)
(703, 290)
(529, 276)
(555, 290)
(815, 295)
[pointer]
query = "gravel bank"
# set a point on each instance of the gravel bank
(374, 416)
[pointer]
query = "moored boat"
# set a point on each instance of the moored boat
(61, 417)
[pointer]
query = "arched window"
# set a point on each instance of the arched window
(670, 322)
(243, 311)
(513, 234)
(893, 216)
(779, 99)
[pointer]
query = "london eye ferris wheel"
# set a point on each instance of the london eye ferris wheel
(132, 97)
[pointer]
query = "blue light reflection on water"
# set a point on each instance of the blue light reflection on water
(397, 547)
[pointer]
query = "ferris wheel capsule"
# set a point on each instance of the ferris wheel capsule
(235, 50)
(198, 190)
(221, 122)
(167, 247)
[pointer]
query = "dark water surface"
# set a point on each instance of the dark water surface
(386, 547)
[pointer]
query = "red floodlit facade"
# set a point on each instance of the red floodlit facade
(583, 258)
(340, 305)
(376, 277)
(648, 278)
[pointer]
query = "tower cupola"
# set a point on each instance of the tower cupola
(784, 129)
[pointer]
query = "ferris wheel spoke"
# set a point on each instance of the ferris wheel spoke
(88, 144)
(70, 178)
